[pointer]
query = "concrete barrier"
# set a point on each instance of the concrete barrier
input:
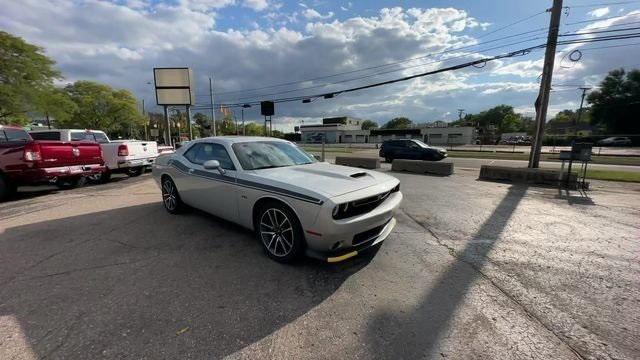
(423, 167)
(526, 175)
(361, 162)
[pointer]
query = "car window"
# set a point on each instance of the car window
(46, 135)
(3, 139)
(100, 137)
(255, 155)
(16, 135)
(399, 143)
(202, 152)
(80, 136)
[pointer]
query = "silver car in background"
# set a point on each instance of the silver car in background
(294, 204)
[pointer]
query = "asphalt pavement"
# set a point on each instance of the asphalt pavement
(473, 270)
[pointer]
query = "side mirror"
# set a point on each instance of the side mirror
(211, 165)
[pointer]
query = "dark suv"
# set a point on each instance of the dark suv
(410, 149)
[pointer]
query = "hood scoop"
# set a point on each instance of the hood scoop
(358, 175)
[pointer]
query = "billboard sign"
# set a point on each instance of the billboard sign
(174, 86)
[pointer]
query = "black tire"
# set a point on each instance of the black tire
(101, 178)
(71, 183)
(7, 189)
(171, 197)
(278, 230)
(135, 171)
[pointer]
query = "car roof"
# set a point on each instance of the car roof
(47, 130)
(238, 139)
(11, 127)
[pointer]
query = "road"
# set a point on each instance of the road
(472, 163)
(473, 270)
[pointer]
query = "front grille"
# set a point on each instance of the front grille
(370, 234)
(363, 206)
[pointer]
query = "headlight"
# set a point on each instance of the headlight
(340, 211)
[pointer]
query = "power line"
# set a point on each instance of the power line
(520, 52)
(512, 24)
(402, 61)
(381, 73)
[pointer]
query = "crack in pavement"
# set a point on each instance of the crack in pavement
(452, 252)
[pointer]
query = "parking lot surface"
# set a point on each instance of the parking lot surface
(473, 270)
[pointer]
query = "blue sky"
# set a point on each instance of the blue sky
(247, 44)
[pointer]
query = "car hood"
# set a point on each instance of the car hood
(323, 178)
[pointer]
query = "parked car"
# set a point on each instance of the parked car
(294, 204)
(615, 141)
(24, 161)
(120, 156)
(410, 149)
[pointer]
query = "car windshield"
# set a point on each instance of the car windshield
(269, 154)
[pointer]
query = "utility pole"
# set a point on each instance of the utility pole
(213, 110)
(144, 115)
(460, 112)
(579, 117)
(542, 102)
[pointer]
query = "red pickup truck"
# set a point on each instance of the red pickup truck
(24, 161)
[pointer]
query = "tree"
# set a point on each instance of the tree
(101, 107)
(25, 73)
(55, 104)
(615, 106)
(398, 123)
(368, 125)
(254, 129)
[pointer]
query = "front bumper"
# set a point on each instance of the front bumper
(334, 240)
(344, 254)
(123, 164)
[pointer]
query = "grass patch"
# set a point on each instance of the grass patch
(610, 160)
(613, 175)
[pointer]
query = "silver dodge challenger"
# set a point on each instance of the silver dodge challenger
(294, 204)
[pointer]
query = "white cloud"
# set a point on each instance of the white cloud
(120, 42)
(600, 12)
(312, 14)
(257, 5)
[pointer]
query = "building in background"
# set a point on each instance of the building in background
(346, 130)
(336, 130)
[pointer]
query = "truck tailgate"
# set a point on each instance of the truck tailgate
(140, 149)
(57, 153)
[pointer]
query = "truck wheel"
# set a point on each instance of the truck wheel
(7, 189)
(101, 178)
(71, 183)
(135, 171)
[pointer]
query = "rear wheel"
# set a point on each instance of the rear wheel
(7, 189)
(279, 232)
(101, 178)
(170, 197)
(135, 171)
(71, 183)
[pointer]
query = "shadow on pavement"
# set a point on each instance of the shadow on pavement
(414, 335)
(136, 282)
(581, 199)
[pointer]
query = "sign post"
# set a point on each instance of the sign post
(174, 86)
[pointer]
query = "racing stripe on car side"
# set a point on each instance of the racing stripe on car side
(243, 183)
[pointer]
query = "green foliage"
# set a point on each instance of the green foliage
(368, 125)
(615, 106)
(254, 129)
(25, 75)
(398, 123)
(56, 104)
(101, 107)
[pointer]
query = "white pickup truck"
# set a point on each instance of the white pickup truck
(120, 156)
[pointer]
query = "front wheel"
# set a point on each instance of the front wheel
(7, 189)
(279, 232)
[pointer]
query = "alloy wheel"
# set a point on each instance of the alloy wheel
(276, 232)
(169, 195)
